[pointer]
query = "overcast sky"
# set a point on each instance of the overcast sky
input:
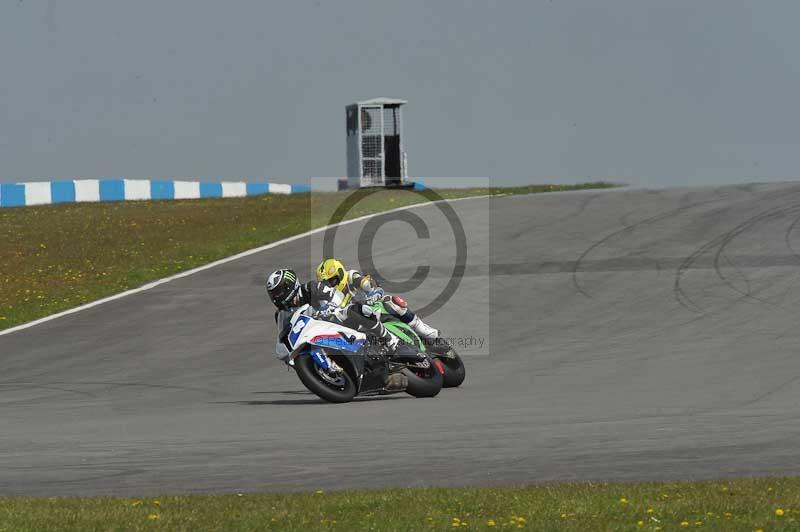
(646, 92)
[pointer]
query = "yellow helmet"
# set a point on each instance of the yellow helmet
(332, 271)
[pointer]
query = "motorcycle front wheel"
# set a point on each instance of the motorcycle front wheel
(338, 389)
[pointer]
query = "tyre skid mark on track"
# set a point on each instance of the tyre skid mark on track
(787, 236)
(770, 392)
(629, 229)
(787, 240)
(722, 241)
(720, 255)
(747, 293)
(690, 265)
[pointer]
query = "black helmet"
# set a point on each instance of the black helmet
(282, 287)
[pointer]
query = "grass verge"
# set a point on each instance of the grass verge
(56, 257)
(746, 505)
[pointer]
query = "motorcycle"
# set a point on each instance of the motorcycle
(454, 371)
(338, 363)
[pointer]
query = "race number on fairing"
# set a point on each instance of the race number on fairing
(298, 327)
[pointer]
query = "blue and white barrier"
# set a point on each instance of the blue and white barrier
(80, 190)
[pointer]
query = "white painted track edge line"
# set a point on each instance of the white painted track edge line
(220, 262)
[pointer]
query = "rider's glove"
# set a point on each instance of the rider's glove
(325, 309)
(374, 296)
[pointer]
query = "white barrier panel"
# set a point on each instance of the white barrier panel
(278, 188)
(37, 193)
(187, 189)
(233, 190)
(87, 190)
(137, 189)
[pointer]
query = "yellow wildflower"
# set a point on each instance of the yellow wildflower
(684, 523)
(623, 500)
(154, 517)
(779, 512)
(490, 522)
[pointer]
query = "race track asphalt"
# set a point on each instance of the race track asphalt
(634, 334)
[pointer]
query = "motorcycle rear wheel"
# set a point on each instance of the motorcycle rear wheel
(454, 371)
(306, 370)
(425, 382)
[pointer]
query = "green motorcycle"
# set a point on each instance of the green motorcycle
(454, 371)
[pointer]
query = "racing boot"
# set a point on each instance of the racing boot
(392, 342)
(423, 329)
(387, 341)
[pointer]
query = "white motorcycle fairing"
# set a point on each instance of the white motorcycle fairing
(308, 330)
